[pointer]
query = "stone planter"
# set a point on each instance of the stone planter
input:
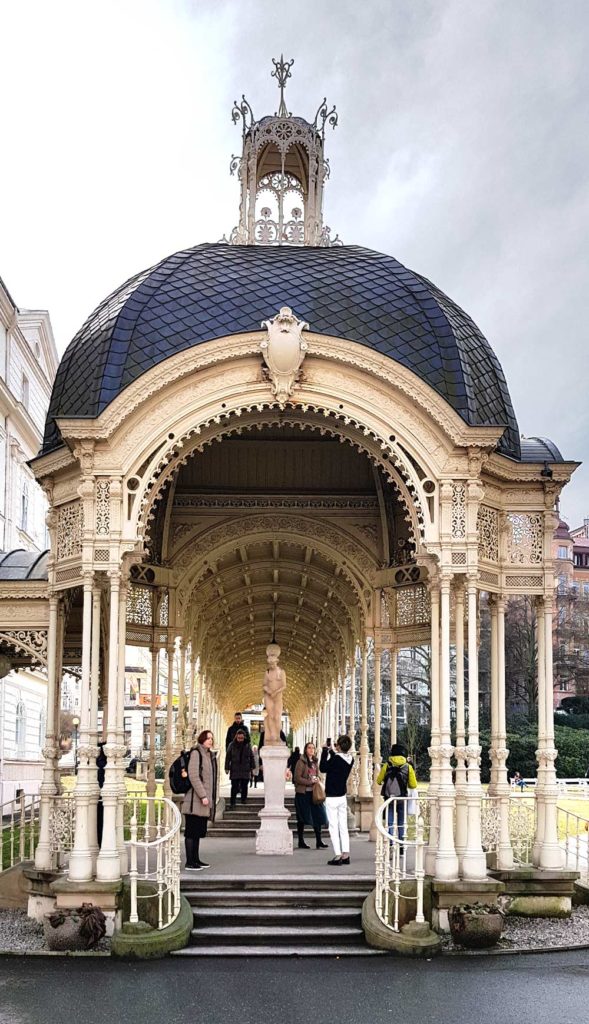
(475, 927)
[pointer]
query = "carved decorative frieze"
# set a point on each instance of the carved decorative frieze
(521, 582)
(524, 538)
(458, 511)
(102, 508)
(488, 531)
(30, 641)
(70, 523)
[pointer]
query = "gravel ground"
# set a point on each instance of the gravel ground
(541, 932)
(19, 932)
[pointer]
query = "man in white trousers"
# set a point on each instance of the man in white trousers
(336, 764)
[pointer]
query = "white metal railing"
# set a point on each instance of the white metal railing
(521, 821)
(154, 855)
(573, 787)
(62, 823)
(573, 834)
(400, 856)
(19, 820)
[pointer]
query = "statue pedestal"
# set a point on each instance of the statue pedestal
(274, 836)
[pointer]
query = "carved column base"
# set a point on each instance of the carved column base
(274, 837)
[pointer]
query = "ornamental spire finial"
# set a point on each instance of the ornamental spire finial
(282, 74)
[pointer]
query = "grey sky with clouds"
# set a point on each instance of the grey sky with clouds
(462, 150)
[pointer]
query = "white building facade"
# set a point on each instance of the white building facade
(28, 364)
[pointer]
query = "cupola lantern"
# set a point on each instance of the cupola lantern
(282, 172)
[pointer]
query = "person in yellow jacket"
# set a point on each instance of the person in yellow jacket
(396, 777)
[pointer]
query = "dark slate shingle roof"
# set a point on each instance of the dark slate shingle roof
(213, 290)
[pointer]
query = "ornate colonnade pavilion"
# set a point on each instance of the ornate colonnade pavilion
(284, 429)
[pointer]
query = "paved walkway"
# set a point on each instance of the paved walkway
(237, 857)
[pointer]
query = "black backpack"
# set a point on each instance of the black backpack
(396, 781)
(179, 782)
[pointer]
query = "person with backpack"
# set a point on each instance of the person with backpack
(238, 725)
(396, 777)
(199, 802)
(239, 763)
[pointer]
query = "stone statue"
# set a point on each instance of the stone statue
(274, 687)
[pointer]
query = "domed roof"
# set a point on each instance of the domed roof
(213, 290)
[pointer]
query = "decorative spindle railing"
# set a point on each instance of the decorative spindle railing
(153, 844)
(19, 820)
(400, 857)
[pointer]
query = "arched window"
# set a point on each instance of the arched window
(21, 727)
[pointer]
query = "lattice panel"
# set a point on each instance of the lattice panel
(68, 575)
(140, 606)
(101, 555)
(458, 511)
(488, 530)
(413, 606)
(489, 577)
(523, 581)
(164, 611)
(102, 508)
(524, 538)
(459, 558)
(70, 523)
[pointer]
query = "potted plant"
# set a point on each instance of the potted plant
(475, 925)
(76, 929)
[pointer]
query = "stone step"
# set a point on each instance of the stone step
(275, 935)
(292, 950)
(287, 915)
(249, 885)
(291, 902)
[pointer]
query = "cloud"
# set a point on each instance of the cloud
(462, 150)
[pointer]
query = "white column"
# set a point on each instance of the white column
(122, 746)
(434, 750)
(474, 862)
(170, 720)
(199, 725)
(190, 741)
(94, 693)
(181, 729)
(365, 787)
(446, 859)
(43, 856)
(551, 855)
(376, 798)
(541, 778)
(460, 749)
(394, 659)
(505, 852)
(108, 864)
(80, 864)
(492, 790)
(151, 782)
(352, 723)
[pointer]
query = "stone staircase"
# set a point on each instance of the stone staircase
(242, 821)
(288, 915)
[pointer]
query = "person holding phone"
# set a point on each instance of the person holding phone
(336, 766)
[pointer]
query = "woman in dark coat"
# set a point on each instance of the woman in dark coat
(306, 774)
(199, 802)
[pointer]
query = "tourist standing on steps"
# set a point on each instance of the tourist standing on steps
(239, 763)
(336, 765)
(306, 774)
(396, 777)
(238, 723)
(199, 803)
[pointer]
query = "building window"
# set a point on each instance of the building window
(25, 391)
(563, 551)
(20, 728)
(562, 584)
(42, 723)
(586, 590)
(24, 507)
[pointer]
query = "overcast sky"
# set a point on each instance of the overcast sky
(462, 149)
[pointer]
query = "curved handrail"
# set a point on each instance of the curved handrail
(391, 859)
(163, 849)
